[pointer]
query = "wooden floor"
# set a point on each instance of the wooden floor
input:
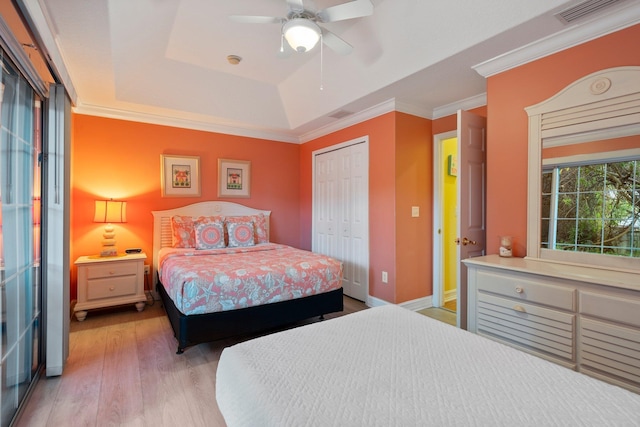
(123, 370)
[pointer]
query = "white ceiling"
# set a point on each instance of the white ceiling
(164, 61)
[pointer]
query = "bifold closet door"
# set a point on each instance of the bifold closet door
(341, 203)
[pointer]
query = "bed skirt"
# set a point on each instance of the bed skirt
(195, 329)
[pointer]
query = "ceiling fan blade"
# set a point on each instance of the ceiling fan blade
(335, 43)
(244, 19)
(295, 4)
(350, 10)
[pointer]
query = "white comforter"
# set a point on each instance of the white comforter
(388, 366)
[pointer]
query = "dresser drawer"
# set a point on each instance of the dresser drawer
(613, 308)
(112, 269)
(611, 350)
(527, 326)
(111, 287)
(527, 290)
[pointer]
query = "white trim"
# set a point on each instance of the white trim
(470, 103)
(417, 304)
(581, 33)
(375, 302)
(369, 113)
(569, 112)
(451, 295)
(157, 119)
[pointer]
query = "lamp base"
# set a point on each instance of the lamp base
(109, 251)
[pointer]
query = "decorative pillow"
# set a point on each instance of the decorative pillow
(183, 229)
(240, 234)
(182, 232)
(209, 234)
(259, 225)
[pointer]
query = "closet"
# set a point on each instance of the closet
(341, 211)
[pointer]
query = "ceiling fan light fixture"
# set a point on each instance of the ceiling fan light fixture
(301, 34)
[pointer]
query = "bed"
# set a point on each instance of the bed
(237, 290)
(389, 366)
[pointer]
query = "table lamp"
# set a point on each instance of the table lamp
(109, 211)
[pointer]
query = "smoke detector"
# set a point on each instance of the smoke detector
(234, 59)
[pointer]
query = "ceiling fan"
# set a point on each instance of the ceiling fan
(300, 26)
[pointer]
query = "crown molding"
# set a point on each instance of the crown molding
(584, 32)
(465, 104)
(369, 113)
(157, 119)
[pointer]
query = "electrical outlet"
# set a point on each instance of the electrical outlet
(385, 277)
(147, 270)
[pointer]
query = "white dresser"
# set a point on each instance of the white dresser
(582, 318)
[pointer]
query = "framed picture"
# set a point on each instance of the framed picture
(234, 178)
(452, 165)
(180, 176)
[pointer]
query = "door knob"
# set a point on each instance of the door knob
(465, 241)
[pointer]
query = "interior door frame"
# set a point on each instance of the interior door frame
(437, 300)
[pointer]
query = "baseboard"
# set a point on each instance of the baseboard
(413, 305)
(450, 295)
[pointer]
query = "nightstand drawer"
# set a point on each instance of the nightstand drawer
(111, 270)
(528, 290)
(111, 287)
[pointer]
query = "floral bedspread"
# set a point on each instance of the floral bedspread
(206, 281)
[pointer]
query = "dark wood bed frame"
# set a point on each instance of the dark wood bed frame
(195, 329)
(199, 328)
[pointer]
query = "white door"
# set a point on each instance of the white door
(341, 211)
(471, 199)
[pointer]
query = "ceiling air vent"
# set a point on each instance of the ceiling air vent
(585, 9)
(340, 114)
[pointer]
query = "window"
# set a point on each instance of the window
(592, 207)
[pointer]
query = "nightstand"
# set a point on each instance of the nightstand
(110, 281)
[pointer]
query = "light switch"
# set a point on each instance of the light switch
(415, 211)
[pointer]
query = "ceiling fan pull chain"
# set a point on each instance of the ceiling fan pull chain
(321, 61)
(281, 41)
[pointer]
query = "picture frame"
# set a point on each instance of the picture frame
(234, 178)
(180, 176)
(452, 165)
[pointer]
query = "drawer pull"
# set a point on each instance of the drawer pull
(519, 289)
(519, 308)
(112, 288)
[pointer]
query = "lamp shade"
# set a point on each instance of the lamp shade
(110, 211)
(301, 34)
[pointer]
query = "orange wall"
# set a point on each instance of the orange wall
(508, 93)
(121, 160)
(414, 187)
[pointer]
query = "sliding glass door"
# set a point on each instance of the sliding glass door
(20, 195)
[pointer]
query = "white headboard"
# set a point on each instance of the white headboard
(162, 222)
